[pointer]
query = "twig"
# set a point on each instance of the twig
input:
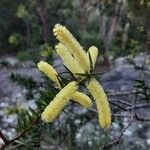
(67, 114)
(8, 142)
(139, 118)
(117, 138)
(65, 72)
(119, 115)
(138, 106)
(121, 107)
(98, 73)
(3, 137)
(121, 93)
(114, 115)
(121, 101)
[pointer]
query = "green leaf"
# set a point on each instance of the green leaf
(91, 63)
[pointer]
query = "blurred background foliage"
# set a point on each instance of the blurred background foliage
(117, 27)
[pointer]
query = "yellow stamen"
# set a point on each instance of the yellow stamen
(66, 38)
(68, 60)
(49, 71)
(82, 99)
(59, 102)
(102, 103)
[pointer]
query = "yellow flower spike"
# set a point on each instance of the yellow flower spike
(52, 74)
(66, 38)
(102, 103)
(68, 60)
(82, 99)
(93, 51)
(59, 102)
(48, 70)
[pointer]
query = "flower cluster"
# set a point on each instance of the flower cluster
(50, 72)
(81, 65)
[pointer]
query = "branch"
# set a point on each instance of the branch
(8, 142)
(121, 101)
(117, 138)
(121, 107)
(119, 115)
(138, 106)
(121, 93)
(98, 73)
(3, 137)
(139, 118)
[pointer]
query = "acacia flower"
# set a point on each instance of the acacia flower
(78, 62)
(68, 60)
(66, 38)
(82, 99)
(93, 52)
(59, 102)
(101, 100)
(49, 71)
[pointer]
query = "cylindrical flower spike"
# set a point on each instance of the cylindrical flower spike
(49, 71)
(93, 52)
(102, 103)
(68, 60)
(82, 99)
(52, 74)
(66, 38)
(59, 102)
